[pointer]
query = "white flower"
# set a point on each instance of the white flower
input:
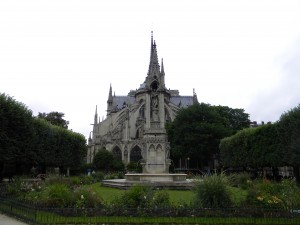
(82, 197)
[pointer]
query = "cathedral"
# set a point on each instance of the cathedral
(134, 128)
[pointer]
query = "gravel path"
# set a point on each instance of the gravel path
(5, 220)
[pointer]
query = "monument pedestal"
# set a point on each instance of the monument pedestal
(156, 168)
(152, 178)
(164, 180)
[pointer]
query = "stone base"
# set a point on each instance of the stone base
(170, 181)
(147, 177)
(162, 168)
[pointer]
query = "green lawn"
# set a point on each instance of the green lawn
(107, 193)
(176, 196)
(181, 196)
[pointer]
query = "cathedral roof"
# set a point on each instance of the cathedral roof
(119, 102)
(182, 101)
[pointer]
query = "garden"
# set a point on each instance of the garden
(217, 199)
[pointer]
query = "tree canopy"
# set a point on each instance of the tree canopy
(15, 131)
(197, 130)
(270, 145)
(105, 160)
(55, 118)
(253, 147)
(27, 141)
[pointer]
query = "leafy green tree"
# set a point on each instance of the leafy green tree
(290, 136)
(103, 160)
(253, 147)
(55, 118)
(57, 146)
(266, 147)
(45, 144)
(15, 134)
(27, 141)
(234, 151)
(196, 132)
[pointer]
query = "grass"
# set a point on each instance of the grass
(176, 196)
(181, 196)
(107, 193)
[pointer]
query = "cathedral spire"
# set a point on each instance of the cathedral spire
(195, 99)
(162, 73)
(110, 93)
(109, 100)
(153, 65)
(96, 116)
(162, 67)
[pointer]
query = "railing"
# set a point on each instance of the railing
(120, 215)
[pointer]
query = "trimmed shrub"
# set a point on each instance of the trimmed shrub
(240, 180)
(212, 192)
(84, 179)
(84, 197)
(136, 196)
(161, 199)
(98, 176)
(56, 195)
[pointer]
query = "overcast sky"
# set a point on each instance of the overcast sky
(62, 55)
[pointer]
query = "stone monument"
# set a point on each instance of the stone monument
(134, 129)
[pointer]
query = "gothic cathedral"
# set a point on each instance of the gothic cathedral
(134, 129)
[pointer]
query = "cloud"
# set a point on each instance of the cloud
(271, 102)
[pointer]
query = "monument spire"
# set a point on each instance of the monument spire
(109, 100)
(195, 99)
(162, 67)
(162, 73)
(96, 116)
(153, 65)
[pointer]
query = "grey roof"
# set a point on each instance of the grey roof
(182, 101)
(120, 101)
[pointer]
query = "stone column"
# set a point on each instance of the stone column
(162, 110)
(148, 110)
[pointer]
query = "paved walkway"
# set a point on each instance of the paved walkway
(5, 220)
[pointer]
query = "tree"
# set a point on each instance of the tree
(253, 147)
(236, 119)
(57, 146)
(27, 141)
(103, 160)
(55, 118)
(196, 132)
(290, 136)
(15, 134)
(271, 145)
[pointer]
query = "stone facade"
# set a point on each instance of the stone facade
(134, 129)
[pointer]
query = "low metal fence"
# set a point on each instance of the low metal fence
(116, 215)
